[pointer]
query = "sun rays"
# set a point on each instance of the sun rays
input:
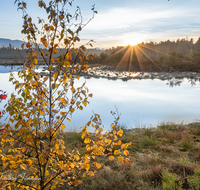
(137, 56)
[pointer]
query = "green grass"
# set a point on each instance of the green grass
(166, 157)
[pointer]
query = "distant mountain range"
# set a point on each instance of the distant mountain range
(17, 44)
(6, 43)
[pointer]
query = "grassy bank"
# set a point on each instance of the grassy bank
(166, 157)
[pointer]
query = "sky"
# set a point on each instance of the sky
(118, 22)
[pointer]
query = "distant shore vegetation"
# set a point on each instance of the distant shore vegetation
(168, 56)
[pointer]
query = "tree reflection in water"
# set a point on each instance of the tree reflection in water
(177, 81)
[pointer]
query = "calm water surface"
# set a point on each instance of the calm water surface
(141, 102)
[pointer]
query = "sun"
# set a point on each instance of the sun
(132, 39)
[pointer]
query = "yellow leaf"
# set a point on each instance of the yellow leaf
(28, 45)
(30, 161)
(77, 157)
(116, 152)
(51, 28)
(63, 100)
(111, 158)
(97, 165)
(55, 50)
(120, 133)
(91, 173)
(109, 141)
(72, 165)
(4, 166)
(119, 142)
(63, 113)
(128, 161)
(65, 80)
(72, 110)
(24, 149)
(61, 165)
(123, 146)
(120, 158)
(90, 95)
(100, 136)
(59, 58)
(36, 60)
(87, 167)
(34, 54)
(84, 174)
(34, 102)
(62, 126)
(84, 103)
(89, 122)
(126, 153)
(47, 173)
(43, 160)
(50, 67)
(81, 59)
(69, 119)
(87, 140)
(26, 91)
(34, 84)
(32, 169)
(45, 79)
(23, 166)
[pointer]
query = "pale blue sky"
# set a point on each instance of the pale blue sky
(119, 22)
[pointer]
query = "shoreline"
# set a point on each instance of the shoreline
(109, 72)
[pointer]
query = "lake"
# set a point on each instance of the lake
(141, 103)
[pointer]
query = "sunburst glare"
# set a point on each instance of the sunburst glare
(133, 39)
(135, 58)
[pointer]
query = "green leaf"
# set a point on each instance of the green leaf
(71, 32)
(59, 58)
(23, 94)
(53, 86)
(81, 108)
(29, 77)
(8, 108)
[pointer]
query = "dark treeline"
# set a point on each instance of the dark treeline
(181, 55)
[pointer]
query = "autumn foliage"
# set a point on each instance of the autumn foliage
(37, 156)
(3, 96)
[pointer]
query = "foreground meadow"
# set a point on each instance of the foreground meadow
(166, 157)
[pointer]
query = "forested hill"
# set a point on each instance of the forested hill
(182, 54)
(155, 50)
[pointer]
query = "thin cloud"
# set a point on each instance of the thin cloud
(152, 22)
